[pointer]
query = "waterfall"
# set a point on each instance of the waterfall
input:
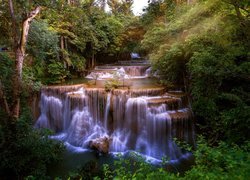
(126, 72)
(107, 109)
(51, 112)
(132, 120)
(143, 120)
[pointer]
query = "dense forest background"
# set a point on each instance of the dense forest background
(201, 46)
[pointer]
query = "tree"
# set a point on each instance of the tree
(19, 35)
(123, 6)
(207, 43)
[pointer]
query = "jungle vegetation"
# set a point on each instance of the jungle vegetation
(200, 46)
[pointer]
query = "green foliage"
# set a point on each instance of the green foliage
(87, 31)
(26, 151)
(113, 27)
(120, 7)
(205, 48)
(107, 172)
(82, 27)
(4, 24)
(30, 82)
(6, 64)
(78, 62)
(221, 162)
(6, 72)
(112, 84)
(154, 37)
(44, 51)
(133, 167)
(90, 170)
(131, 36)
(42, 41)
(171, 63)
(116, 81)
(153, 12)
(217, 65)
(57, 72)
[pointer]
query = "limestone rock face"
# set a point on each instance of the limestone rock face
(100, 144)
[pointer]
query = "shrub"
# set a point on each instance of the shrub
(57, 72)
(26, 151)
(221, 162)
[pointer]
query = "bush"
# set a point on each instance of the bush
(91, 170)
(112, 84)
(116, 81)
(78, 63)
(30, 82)
(57, 72)
(6, 72)
(221, 162)
(26, 151)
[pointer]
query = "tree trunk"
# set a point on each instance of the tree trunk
(62, 42)
(93, 61)
(63, 51)
(19, 45)
(17, 83)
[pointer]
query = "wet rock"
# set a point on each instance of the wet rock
(100, 144)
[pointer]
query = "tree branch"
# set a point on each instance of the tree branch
(12, 10)
(14, 23)
(26, 26)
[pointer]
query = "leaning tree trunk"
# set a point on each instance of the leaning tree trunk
(19, 44)
(17, 83)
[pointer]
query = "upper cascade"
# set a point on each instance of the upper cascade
(120, 71)
(145, 120)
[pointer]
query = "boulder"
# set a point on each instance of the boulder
(100, 144)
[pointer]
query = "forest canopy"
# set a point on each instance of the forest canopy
(198, 46)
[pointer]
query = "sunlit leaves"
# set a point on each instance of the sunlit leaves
(206, 45)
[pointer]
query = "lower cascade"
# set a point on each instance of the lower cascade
(145, 120)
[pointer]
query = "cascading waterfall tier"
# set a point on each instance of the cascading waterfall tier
(124, 72)
(143, 120)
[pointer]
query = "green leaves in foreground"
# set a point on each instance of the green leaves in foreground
(26, 151)
(221, 162)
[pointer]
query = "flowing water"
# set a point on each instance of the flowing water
(124, 72)
(140, 117)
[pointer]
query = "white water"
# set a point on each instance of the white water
(127, 72)
(139, 120)
(134, 124)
